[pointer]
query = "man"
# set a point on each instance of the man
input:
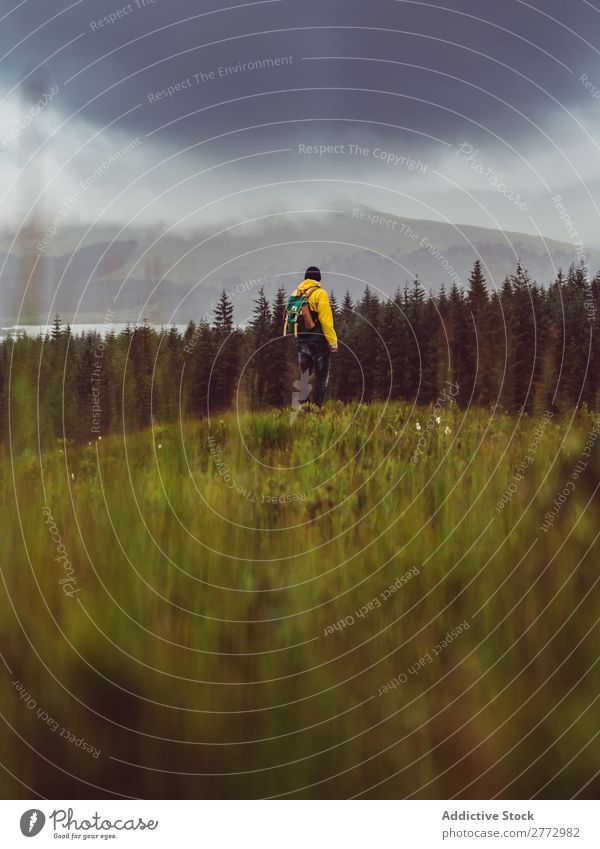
(317, 343)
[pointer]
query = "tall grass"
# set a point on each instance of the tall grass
(211, 562)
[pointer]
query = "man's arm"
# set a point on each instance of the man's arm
(326, 318)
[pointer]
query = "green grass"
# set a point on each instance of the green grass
(208, 579)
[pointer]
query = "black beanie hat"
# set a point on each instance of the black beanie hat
(313, 273)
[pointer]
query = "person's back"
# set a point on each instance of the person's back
(314, 331)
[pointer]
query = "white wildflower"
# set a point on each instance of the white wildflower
(72, 476)
(418, 426)
(437, 420)
(447, 430)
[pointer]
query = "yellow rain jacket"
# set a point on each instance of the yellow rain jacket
(318, 301)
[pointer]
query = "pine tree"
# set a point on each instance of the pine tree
(335, 310)
(166, 388)
(56, 327)
(477, 294)
(261, 325)
(477, 338)
(198, 367)
(223, 382)
(593, 321)
(90, 385)
(261, 321)
(418, 362)
(443, 372)
(457, 321)
(142, 351)
(111, 399)
(223, 322)
(51, 388)
(345, 381)
(391, 366)
(189, 334)
(575, 380)
(281, 367)
(368, 343)
(347, 312)
(522, 341)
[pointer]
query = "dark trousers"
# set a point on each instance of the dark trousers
(313, 359)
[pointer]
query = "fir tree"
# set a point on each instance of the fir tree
(476, 364)
(347, 311)
(56, 327)
(261, 325)
(223, 321)
(224, 374)
(522, 341)
(281, 368)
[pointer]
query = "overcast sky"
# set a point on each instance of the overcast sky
(495, 106)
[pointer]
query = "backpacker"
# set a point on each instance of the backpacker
(298, 316)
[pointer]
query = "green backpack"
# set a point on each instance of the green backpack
(298, 318)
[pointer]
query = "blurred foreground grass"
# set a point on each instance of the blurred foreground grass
(192, 641)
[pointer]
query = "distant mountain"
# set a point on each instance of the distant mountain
(138, 273)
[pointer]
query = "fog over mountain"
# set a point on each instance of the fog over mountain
(173, 277)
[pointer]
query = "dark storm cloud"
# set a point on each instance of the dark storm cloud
(446, 71)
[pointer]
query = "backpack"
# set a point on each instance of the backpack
(298, 317)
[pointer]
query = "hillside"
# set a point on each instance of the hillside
(139, 273)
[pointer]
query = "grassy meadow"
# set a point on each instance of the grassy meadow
(367, 602)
